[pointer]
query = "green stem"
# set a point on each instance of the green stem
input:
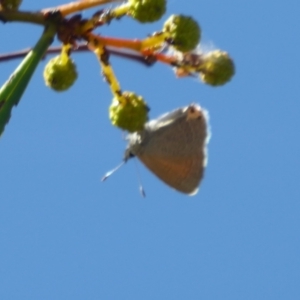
(22, 16)
(12, 90)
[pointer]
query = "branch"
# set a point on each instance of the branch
(22, 16)
(147, 61)
(73, 7)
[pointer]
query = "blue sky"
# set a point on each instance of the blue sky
(66, 235)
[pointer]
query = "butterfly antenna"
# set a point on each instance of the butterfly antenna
(141, 188)
(112, 171)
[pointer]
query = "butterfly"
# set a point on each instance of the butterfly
(173, 147)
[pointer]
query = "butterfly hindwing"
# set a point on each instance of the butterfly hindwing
(173, 148)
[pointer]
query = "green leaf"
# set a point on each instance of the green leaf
(13, 89)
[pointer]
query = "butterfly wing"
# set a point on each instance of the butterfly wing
(174, 149)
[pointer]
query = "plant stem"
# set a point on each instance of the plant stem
(22, 16)
(149, 44)
(13, 89)
(81, 48)
(74, 7)
(39, 17)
